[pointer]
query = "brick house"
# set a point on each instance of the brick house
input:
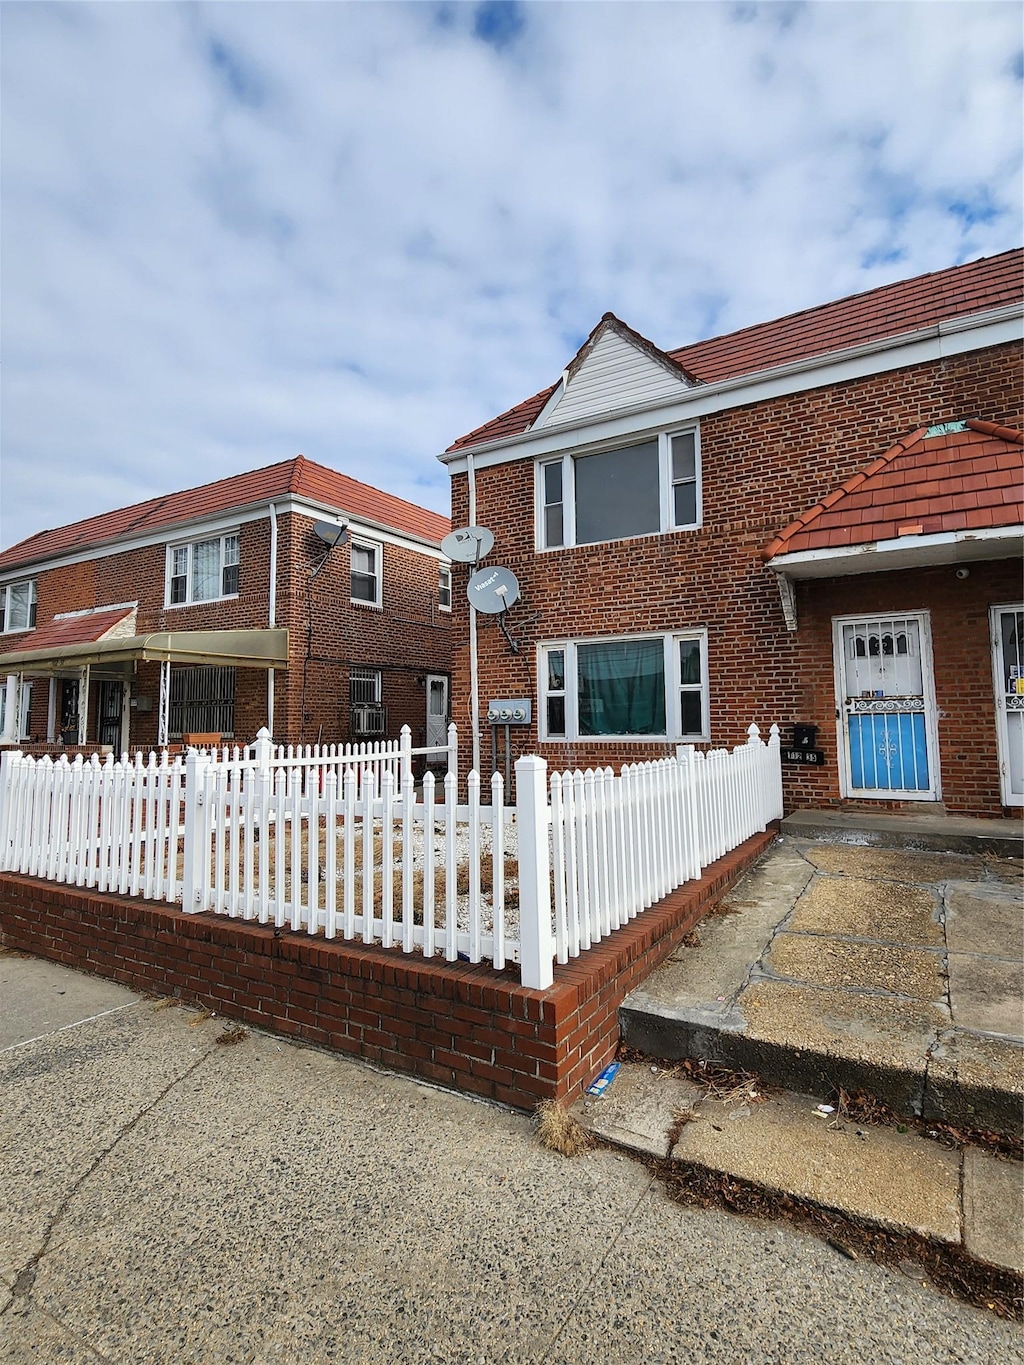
(220, 609)
(815, 521)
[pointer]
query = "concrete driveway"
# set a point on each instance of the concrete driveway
(169, 1197)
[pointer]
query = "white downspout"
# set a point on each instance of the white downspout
(272, 610)
(474, 680)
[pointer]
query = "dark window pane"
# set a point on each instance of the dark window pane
(684, 456)
(617, 494)
(556, 715)
(178, 589)
(689, 661)
(553, 529)
(691, 709)
(364, 587)
(553, 482)
(230, 579)
(556, 670)
(685, 499)
(621, 688)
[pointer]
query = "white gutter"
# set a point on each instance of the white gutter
(945, 547)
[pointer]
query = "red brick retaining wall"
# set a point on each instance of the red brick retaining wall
(463, 1026)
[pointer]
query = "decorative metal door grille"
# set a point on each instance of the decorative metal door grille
(884, 708)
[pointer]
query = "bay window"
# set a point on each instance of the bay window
(651, 686)
(640, 489)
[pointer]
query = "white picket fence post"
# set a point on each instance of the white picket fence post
(536, 941)
(196, 862)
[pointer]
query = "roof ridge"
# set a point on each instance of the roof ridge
(845, 299)
(1011, 434)
(853, 482)
(650, 348)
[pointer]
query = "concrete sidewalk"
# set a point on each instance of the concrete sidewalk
(169, 1197)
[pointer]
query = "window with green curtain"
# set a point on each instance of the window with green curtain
(621, 688)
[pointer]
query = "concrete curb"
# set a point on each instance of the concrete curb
(783, 1145)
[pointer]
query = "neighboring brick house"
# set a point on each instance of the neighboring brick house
(221, 609)
(696, 547)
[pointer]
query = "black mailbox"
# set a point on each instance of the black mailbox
(804, 736)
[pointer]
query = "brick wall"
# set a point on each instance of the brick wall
(761, 466)
(462, 1026)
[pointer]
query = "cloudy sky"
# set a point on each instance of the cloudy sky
(234, 232)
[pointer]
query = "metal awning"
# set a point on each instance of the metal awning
(228, 648)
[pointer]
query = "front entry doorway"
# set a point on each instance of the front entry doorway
(437, 716)
(109, 708)
(885, 698)
(1008, 672)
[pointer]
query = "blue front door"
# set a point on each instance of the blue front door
(886, 707)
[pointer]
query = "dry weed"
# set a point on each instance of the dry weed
(234, 1035)
(560, 1131)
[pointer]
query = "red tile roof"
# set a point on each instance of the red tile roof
(82, 629)
(297, 477)
(961, 480)
(888, 311)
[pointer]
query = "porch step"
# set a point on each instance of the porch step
(783, 1148)
(933, 831)
(828, 966)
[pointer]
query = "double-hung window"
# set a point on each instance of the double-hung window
(203, 570)
(366, 574)
(18, 606)
(642, 489)
(444, 587)
(648, 686)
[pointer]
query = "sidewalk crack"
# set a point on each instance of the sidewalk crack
(575, 1308)
(24, 1281)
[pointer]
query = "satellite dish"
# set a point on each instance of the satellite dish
(329, 533)
(468, 545)
(492, 590)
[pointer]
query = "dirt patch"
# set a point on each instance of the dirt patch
(854, 907)
(846, 965)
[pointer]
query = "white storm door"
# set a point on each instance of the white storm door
(437, 715)
(886, 702)
(1008, 673)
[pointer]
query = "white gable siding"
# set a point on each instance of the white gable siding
(614, 375)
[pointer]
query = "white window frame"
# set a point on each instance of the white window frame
(666, 488)
(361, 543)
(444, 584)
(33, 604)
(188, 547)
(673, 690)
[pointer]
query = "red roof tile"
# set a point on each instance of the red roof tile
(888, 311)
(972, 478)
(299, 477)
(82, 629)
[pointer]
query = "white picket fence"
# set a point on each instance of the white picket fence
(342, 844)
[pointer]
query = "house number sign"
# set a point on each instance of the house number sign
(814, 757)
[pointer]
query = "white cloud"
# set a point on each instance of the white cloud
(234, 232)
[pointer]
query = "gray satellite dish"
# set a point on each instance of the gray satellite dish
(329, 533)
(492, 590)
(468, 545)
